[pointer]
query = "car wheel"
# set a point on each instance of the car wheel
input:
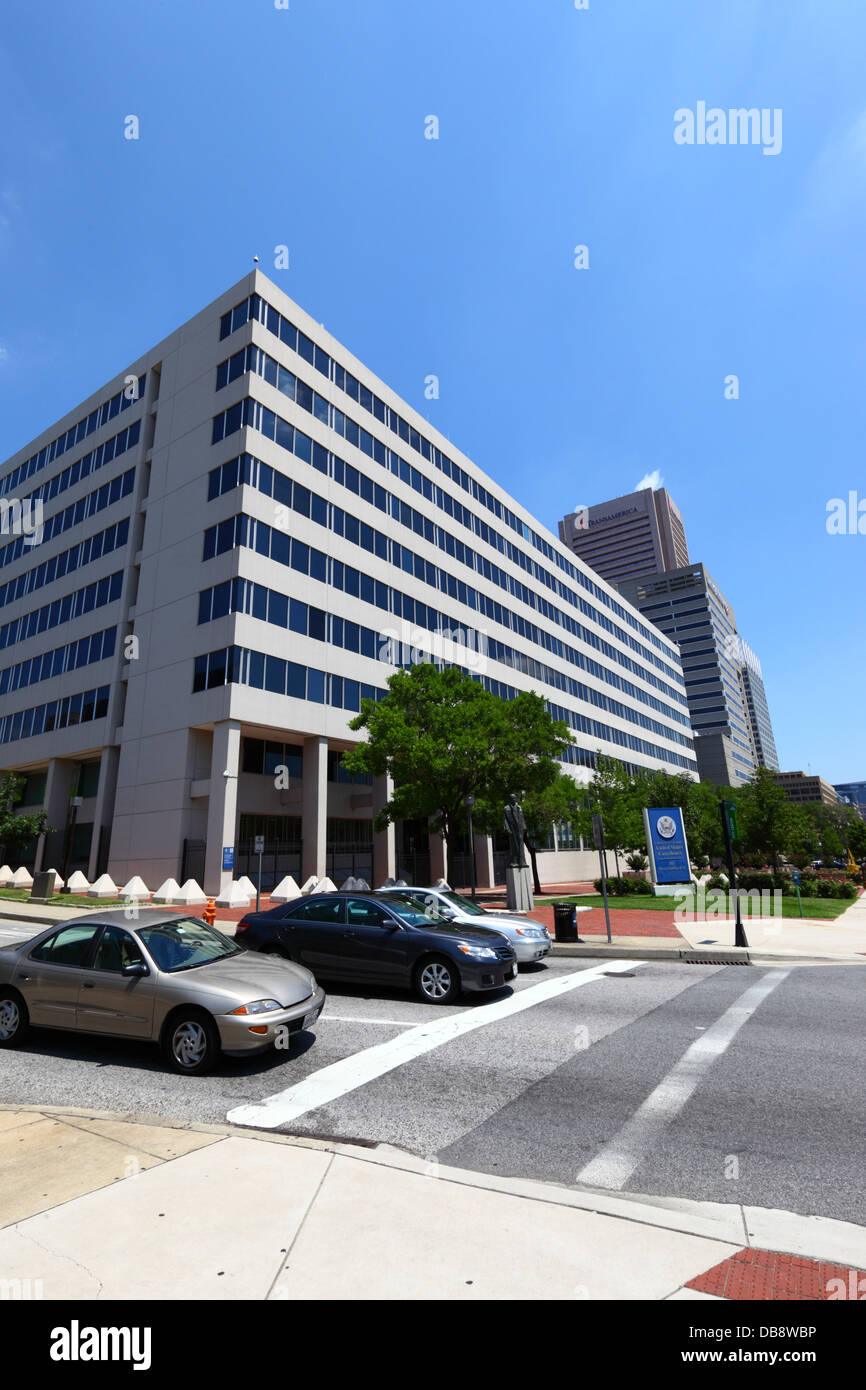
(14, 1018)
(437, 981)
(191, 1043)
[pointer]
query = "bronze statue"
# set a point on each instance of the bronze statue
(516, 827)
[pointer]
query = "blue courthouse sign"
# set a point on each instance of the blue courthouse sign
(666, 844)
(228, 856)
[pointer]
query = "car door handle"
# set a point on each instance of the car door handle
(349, 933)
(28, 978)
(88, 986)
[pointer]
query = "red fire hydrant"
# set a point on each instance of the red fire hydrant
(209, 912)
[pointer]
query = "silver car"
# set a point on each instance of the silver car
(531, 940)
(159, 977)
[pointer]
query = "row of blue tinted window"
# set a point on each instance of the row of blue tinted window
(83, 652)
(62, 610)
(256, 308)
(78, 555)
(74, 514)
(89, 463)
(238, 666)
(87, 425)
(255, 360)
(263, 671)
(57, 714)
(277, 545)
(593, 728)
(269, 605)
(291, 494)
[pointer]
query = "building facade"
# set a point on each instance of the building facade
(758, 711)
(852, 794)
(244, 535)
(688, 607)
(642, 533)
(801, 787)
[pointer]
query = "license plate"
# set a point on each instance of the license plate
(513, 971)
(309, 1019)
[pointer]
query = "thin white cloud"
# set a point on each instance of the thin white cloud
(4, 355)
(652, 480)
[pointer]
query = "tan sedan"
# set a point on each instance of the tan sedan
(159, 977)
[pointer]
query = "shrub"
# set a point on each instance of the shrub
(618, 887)
(717, 881)
(836, 888)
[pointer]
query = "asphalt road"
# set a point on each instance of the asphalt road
(729, 1084)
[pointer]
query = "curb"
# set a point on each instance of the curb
(725, 955)
(766, 1228)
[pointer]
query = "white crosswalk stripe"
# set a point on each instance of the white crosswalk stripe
(337, 1080)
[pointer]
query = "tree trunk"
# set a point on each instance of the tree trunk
(534, 862)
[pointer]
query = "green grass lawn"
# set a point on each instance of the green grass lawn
(22, 895)
(812, 907)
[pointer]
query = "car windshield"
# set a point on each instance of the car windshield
(186, 943)
(464, 904)
(410, 910)
(435, 905)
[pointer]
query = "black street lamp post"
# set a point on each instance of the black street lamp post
(469, 802)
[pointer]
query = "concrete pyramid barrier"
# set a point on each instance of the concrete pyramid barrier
(136, 889)
(5, 876)
(286, 890)
(311, 885)
(167, 892)
(58, 881)
(247, 885)
(104, 887)
(21, 879)
(326, 885)
(77, 883)
(234, 896)
(190, 893)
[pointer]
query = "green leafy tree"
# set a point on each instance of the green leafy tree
(17, 830)
(440, 736)
(560, 800)
(766, 817)
(613, 793)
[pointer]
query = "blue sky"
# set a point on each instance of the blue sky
(305, 127)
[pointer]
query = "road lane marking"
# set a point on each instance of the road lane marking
(615, 1163)
(339, 1078)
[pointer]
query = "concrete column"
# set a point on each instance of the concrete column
(222, 804)
(483, 861)
(58, 787)
(384, 844)
(104, 806)
(314, 808)
(438, 858)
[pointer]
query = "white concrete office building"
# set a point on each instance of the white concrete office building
(237, 531)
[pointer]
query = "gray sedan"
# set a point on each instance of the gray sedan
(159, 977)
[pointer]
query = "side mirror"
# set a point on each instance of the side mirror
(137, 968)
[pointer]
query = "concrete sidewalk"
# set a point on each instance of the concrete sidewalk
(98, 1206)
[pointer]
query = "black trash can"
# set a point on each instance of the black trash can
(565, 922)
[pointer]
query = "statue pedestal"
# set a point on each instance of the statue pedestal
(518, 886)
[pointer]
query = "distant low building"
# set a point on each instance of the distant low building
(800, 787)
